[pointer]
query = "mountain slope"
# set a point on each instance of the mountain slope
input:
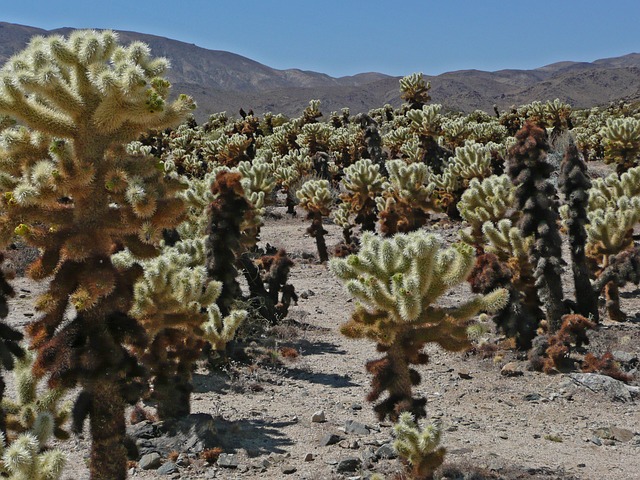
(220, 80)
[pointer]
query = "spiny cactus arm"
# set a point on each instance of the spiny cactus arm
(414, 90)
(418, 446)
(22, 460)
(219, 331)
(316, 196)
(621, 140)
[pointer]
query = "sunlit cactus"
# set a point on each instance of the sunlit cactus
(24, 459)
(80, 195)
(408, 199)
(396, 283)
(426, 121)
(414, 90)
(316, 197)
(363, 184)
(175, 303)
(35, 410)
(489, 200)
(419, 447)
(621, 140)
(315, 137)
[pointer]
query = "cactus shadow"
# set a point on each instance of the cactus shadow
(333, 380)
(256, 436)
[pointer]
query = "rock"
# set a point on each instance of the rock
(350, 464)
(288, 469)
(369, 456)
(183, 460)
(318, 417)
(227, 460)
(624, 357)
(150, 461)
(596, 441)
(614, 433)
(144, 429)
(356, 428)
(621, 434)
(386, 451)
(511, 369)
(330, 439)
(356, 406)
(465, 374)
(532, 397)
(309, 457)
(615, 389)
(168, 468)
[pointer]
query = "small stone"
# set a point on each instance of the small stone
(386, 451)
(621, 434)
(624, 357)
(288, 469)
(150, 461)
(511, 369)
(182, 460)
(318, 417)
(465, 374)
(596, 441)
(532, 397)
(168, 468)
(309, 457)
(227, 460)
(356, 428)
(330, 439)
(356, 406)
(350, 464)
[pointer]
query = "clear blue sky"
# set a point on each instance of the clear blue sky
(344, 37)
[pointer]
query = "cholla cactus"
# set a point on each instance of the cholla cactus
(396, 282)
(363, 184)
(73, 190)
(536, 199)
(316, 198)
(32, 420)
(175, 302)
(9, 337)
(419, 447)
(575, 183)
(489, 200)
(315, 137)
(621, 140)
(23, 459)
(414, 91)
(409, 198)
(37, 413)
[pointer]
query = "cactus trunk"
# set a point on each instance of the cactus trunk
(317, 231)
(108, 453)
(173, 394)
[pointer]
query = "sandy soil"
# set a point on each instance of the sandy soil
(529, 426)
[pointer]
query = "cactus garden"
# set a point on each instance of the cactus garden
(402, 293)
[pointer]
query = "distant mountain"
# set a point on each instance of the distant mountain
(224, 81)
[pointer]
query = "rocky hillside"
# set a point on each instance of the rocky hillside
(220, 80)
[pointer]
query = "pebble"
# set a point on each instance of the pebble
(350, 464)
(356, 428)
(511, 369)
(309, 457)
(386, 451)
(150, 461)
(288, 469)
(227, 460)
(330, 439)
(168, 468)
(318, 417)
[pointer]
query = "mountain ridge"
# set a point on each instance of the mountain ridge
(224, 81)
